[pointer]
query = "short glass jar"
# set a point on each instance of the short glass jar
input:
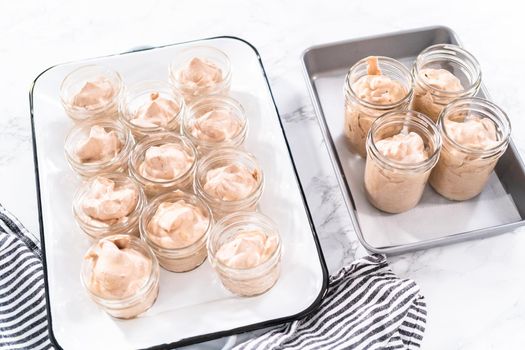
(75, 82)
(80, 133)
(139, 95)
(190, 83)
(129, 306)
(155, 186)
(429, 99)
(223, 158)
(183, 258)
(359, 113)
(394, 186)
(247, 281)
(209, 140)
(463, 170)
(96, 228)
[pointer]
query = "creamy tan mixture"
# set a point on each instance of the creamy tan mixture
(107, 203)
(461, 175)
(177, 225)
(99, 146)
(216, 126)
(117, 270)
(373, 88)
(165, 162)
(392, 190)
(198, 77)
(431, 104)
(231, 183)
(247, 249)
(94, 94)
(159, 111)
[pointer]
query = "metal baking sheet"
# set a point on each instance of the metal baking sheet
(435, 221)
(193, 306)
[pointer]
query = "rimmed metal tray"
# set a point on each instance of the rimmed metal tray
(435, 221)
(192, 306)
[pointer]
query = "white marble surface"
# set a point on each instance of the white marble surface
(475, 290)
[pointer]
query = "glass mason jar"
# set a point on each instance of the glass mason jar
(96, 228)
(252, 280)
(191, 86)
(429, 99)
(359, 113)
(75, 82)
(155, 186)
(463, 170)
(80, 132)
(390, 185)
(138, 96)
(180, 259)
(222, 158)
(128, 306)
(209, 141)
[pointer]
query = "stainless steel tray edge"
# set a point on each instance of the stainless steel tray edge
(341, 178)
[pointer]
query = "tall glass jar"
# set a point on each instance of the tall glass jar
(199, 71)
(137, 105)
(175, 256)
(215, 121)
(91, 92)
(247, 175)
(134, 302)
(181, 179)
(246, 280)
(115, 162)
(394, 186)
(431, 95)
(464, 168)
(360, 113)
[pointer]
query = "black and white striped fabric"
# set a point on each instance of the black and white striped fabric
(23, 323)
(366, 307)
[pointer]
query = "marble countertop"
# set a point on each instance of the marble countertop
(475, 290)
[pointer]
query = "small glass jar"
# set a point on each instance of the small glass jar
(181, 259)
(463, 171)
(224, 104)
(81, 131)
(393, 186)
(430, 100)
(249, 281)
(359, 113)
(222, 158)
(139, 95)
(154, 186)
(130, 306)
(192, 89)
(75, 81)
(95, 228)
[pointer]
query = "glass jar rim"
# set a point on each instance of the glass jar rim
(160, 138)
(113, 125)
(421, 121)
(238, 219)
(151, 209)
(154, 85)
(150, 282)
(495, 111)
(227, 153)
(82, 191)
(439, 49)
(214, 100)
(108, 72)
(383, 60)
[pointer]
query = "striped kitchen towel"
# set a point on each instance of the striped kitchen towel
(23, 323)
(366, 307)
